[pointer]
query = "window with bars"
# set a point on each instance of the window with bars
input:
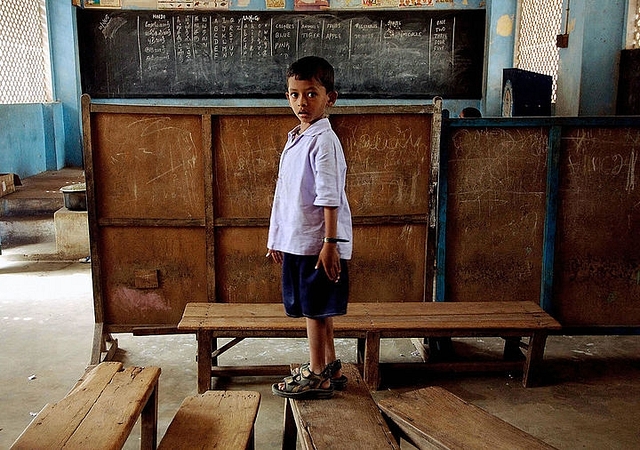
(635, 41)
(25, 67)
(538, 25)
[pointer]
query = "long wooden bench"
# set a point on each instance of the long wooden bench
(214, 420)
(368, 322)
(351, 419)
(434, 418)
(99, 412)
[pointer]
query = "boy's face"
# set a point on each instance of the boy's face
(309, 100)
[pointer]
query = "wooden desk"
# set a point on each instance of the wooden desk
(100, 412)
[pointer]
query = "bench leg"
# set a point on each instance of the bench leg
(204, 361)
(371, 371)
(149, 422)
(535, 354)
(290, 431)
(360, 351)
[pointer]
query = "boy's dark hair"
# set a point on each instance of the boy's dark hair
(310, 68)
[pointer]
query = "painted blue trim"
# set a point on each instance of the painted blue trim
(441, 231)
(608, 121)
(550, 220)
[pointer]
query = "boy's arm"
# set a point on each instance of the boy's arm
(329, 257)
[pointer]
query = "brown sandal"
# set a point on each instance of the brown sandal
(306, 384)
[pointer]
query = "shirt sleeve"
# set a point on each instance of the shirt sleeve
(327, 177)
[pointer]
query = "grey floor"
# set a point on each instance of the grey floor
(590, 398)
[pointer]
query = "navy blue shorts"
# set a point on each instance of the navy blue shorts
(308, 292)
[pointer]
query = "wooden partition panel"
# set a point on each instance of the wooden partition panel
(149, 166)
(597, 276)
(146, 176)
(388, 159)
(495, 213)
(180, 197)
(149, 274)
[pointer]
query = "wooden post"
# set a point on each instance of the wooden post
(535, 355)
(371, 370)
(149, 422)
(204, 361)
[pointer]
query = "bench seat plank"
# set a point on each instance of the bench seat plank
(214, 420)
(98, 413)
(370, 322)
(351, 419)
(434, 418)
(384, 317)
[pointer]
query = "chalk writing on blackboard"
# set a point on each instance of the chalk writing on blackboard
(376, 54)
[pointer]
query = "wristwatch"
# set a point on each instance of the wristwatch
(329, 240)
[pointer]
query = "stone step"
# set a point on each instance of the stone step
(19, 230)
(40, 194)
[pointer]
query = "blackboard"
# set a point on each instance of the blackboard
(379, 54)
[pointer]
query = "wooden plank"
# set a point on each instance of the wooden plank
(214, 420)
(350, 419)
(379, 316)
(434, 418)
(114, 413)
(92, 415)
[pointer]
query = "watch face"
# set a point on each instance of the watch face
(507, 100)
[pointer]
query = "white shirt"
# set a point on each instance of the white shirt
(312, 175)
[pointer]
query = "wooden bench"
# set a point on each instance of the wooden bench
(99, 412)
(369, 322)
(351, 419)
(214, 420)
(434, 418)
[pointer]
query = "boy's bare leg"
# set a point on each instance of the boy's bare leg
(330, 349)
(317, 337)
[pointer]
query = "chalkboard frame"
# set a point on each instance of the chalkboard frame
(116, 62)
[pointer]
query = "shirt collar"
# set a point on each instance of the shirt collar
(313, 130)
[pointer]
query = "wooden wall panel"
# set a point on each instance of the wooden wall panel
(597, 277)
(128, 258)
(148, 166)
(388, 265)
(388, 156)
(495, 214)
(246, 154)
(180, 200)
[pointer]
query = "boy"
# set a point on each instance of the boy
(310, 227)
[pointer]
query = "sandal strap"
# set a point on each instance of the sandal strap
(333, 367)
(304, 381)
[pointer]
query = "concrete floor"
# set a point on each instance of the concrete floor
(590, 398)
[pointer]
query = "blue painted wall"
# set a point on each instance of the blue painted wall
(26, 139)
(588, 75)
(38, 137)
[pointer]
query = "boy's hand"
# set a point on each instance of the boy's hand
(329, 259)
(275, 255)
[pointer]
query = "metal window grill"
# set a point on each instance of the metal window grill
(25, 72)
(636, 28)
(539, 24)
